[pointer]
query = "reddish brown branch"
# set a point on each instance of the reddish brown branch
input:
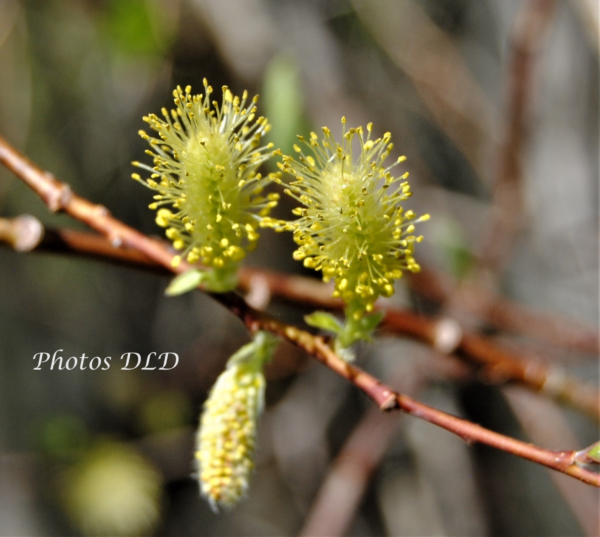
(96, 247)
(502, 313)
(499, 365)
(59, 197)
(343, 487)
(506, 218)
(470, 432)
(534, 413)
(507, 315)
(387, 399)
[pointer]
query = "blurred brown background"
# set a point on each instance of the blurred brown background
(76, 77)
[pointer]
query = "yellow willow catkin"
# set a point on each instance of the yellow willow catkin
(209, 198)
(226, 439)
(352, 225)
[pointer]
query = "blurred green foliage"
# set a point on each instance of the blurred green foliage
(164, 411)
(282, 101)
(63, 437)
(136, 27)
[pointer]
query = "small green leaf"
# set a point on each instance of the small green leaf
(323, 320)
(369, 322)
(361, 329)
(265, 346)
(256, 353)
(185, 282)
(594, 452)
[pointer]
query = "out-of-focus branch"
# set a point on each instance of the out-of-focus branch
(438, 72)
(503, 314)
(344, 485)
(497, 364)
(59, 197)
(589, 14)
(508, 315)
(506, 218)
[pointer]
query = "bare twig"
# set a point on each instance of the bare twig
(59, 197)
(387, 399)
(534, 414)
(506, 218)
(507, 315)
(344, 485)
(497, 363)
(504, 314)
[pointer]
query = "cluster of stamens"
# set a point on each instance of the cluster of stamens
(205, 160)
(351, 225)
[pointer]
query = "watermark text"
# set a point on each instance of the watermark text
(128, 361)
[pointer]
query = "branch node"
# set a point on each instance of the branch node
(390, 403)
(447, 336)
(23, 233)
(57, 199)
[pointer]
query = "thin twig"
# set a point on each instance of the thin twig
(503, 314)
(534, 413)
(59, 197)
(507, 315)
(348, 476)
(506, 218)
(387, 399)
(447, 336)
(497, 363)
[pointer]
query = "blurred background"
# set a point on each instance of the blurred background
(110, 452)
